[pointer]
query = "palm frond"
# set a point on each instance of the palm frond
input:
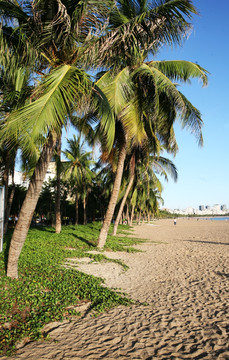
(139, 30)
(11, 11)
(55, 97)
(132, 121)
(181, 70)
(105, 116)
(164, 166)
(164, 84)
(118, 89)
(191, 119)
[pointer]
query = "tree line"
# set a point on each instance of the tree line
(85, 187)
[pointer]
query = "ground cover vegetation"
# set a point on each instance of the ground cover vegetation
(46, 291)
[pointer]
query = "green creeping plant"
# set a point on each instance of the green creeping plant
(45, 288)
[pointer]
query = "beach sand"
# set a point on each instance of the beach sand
(182, 274)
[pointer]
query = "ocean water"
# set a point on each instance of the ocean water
(220, 218)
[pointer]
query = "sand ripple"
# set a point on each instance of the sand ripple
(185, 281)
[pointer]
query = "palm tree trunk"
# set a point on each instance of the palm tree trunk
(77, 210)
(84, 212)
(121, 219)
(123, 204)
(114, 196)
(57, 202)
(132, 215)
(6, 183)
(9, 204)
(29, 206)
(139, 218)
(127, 214)
(143, 218)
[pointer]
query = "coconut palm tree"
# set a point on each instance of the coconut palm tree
(149, 164)
(14, 90)
(136, 89)
(68, 36)
(54, 31)
(77, 170)
(146, 103)
(146, 191)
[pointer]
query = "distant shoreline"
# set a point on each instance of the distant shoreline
(222, 218)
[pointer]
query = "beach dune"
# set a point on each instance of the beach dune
(180, 281)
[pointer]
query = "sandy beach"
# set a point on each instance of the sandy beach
(182, 273)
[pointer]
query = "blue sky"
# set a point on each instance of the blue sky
(203, 173)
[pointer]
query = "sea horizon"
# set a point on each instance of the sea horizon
(219, 218)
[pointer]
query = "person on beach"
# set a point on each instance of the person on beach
(175, 221)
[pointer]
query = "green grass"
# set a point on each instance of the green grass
(45, 289)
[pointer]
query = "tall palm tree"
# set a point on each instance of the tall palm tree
(146, 104)
(77, 170)
(104, 180)
(55, 32)
(66, 37)
(14, 90)
(148, 162)
(147, 189)
(135, 88)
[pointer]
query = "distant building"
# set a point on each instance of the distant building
(189, 211)
(176, 211)
(202, 210)
(51, 172)
(216, 207)
(19, 179)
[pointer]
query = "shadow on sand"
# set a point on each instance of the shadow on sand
(222, 274)
(208, 242)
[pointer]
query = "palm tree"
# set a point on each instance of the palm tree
(146, 192)
(54, 32)
(64, 37)
(104, 180)
(135, 88)
(146, 104)
(14, 90)
(148, 162)
(78, 171)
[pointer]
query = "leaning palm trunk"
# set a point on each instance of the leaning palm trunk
(127, 214)
(113, 200)
(29, 206)
(132, 215)
(123, 204)
(58, 169)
